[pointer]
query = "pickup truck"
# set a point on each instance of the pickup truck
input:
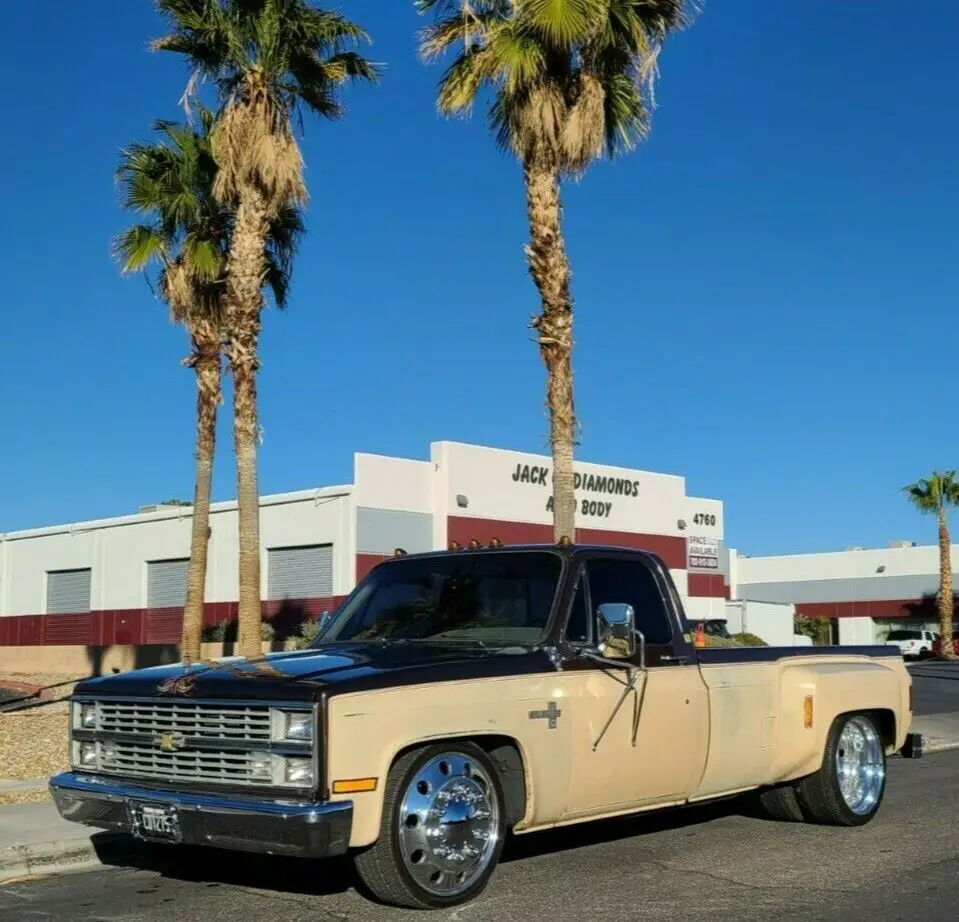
(458, 696)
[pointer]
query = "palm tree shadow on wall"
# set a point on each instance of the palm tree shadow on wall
(143, 657)
(928, 606)
(288, 620)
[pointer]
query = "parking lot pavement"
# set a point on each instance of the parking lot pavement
(683, 865)
(935, 687)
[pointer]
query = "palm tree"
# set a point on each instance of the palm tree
(570, 80)
(169, 183)
(933, 496)
(269, 60)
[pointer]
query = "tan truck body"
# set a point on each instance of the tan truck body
(459, 696)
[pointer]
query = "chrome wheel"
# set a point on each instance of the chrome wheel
(448, 824)
(860, 765)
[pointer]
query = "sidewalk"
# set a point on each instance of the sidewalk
(34, 839)
(939, 731)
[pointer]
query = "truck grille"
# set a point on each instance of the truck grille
(207, 722)
(144, 761)
(189, 742)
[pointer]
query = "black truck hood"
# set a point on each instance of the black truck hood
(303, 674)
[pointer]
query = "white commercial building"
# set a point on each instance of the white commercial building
(122, 580)
(866, 592)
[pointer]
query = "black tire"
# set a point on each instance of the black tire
(820, 794)
(385, 868)
(781, 804)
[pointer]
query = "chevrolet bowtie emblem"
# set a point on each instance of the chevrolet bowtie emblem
(169, 741)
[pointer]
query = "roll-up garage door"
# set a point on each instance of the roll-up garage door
(68, 591)
(300, 572)
(166, 583)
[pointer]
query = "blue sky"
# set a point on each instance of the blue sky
(761, 288)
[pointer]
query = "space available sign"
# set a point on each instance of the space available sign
(702, 553)
(598, 485)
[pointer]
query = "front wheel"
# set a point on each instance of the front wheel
(442, 829)
(850, 784)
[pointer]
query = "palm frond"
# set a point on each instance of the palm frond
(571, 79)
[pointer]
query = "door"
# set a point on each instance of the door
(654, 748)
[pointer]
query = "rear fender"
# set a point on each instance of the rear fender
(835, 689)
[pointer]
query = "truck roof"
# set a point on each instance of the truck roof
(568, 549)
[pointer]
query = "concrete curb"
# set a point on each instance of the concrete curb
(24, 861)
(939, 746)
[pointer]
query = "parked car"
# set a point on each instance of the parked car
(937, 644)
(715, 627)
(916, 644)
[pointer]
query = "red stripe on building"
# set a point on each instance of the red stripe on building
(366, 562)
(707, 585)
(890, 608)
(671, 548)
(138, 626)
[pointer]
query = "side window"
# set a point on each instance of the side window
(577, 628)
(629, 581)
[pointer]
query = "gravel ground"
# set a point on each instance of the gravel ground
(33, 742)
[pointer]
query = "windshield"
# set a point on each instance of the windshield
(498, 598)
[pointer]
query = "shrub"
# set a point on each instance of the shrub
(306, 634)
(750, 640)
(225, 632)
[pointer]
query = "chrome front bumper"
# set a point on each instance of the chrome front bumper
(308, 830)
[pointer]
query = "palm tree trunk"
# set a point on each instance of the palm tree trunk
(206, 363)
(246, 266)
(945, 587)
(549, 268)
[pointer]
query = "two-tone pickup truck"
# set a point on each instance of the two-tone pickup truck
(456, 696)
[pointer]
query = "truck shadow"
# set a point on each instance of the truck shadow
(214, 867)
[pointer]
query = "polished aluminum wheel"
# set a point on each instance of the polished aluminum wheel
(448, 824)
(860, 766)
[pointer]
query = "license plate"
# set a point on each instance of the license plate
(156, 822)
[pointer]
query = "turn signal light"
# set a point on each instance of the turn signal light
(474, 544)
(354, 786)
(455, 546)
(495, 543)
(807, 712)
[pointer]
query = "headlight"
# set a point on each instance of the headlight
(85, 754)
(299, 771)
(299, 726)
(85, 715)
(292, 726)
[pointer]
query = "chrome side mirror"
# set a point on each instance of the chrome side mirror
(616, 628)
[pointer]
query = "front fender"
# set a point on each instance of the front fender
(368, 730)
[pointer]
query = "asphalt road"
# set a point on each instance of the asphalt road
(935, 687)
(682, 865)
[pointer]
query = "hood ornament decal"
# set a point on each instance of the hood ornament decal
(185, 683)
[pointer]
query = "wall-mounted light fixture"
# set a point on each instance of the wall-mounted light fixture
(681, 524)
(462, 501)
(881, 568)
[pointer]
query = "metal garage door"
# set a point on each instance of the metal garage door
(68, 591)
(166, 583)
(300, 572)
